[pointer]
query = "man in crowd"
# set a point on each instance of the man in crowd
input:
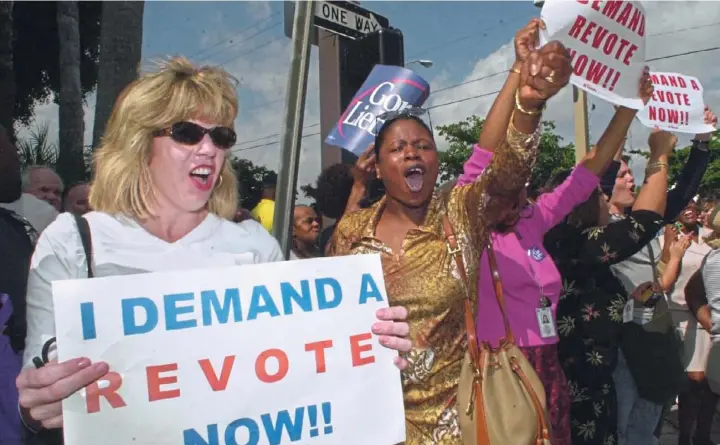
(75, 199)
(265, 209)
(17, 241)
(43, 183)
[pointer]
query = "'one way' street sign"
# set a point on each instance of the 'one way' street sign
(340, 17)
(347, 19)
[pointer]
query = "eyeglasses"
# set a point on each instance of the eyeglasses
(310, 220)
(189, 133)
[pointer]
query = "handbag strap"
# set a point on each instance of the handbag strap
(456, 252)
(86, 239)
(499, 295)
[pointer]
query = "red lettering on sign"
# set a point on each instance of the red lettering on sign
(154, 381)
(261, 365)
(319, 347)
(94, 392)
(356, 349)
(217, 383)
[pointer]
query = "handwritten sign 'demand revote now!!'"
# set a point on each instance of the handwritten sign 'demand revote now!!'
(256, 354)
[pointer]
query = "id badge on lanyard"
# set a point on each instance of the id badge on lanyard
(544, 314)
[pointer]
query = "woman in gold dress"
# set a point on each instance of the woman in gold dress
(406, 229)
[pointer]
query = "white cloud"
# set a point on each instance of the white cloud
(261, 63)
(663, 18)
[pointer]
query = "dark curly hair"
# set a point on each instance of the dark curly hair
(333, 190)
(380, 138)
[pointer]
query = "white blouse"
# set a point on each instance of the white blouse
(122, 247)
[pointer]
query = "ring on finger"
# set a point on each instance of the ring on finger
(551, 77)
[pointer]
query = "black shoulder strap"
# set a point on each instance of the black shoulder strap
(84, 229)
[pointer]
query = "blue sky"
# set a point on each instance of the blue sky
(465, 40)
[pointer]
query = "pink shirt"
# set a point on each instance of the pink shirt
(526, 269)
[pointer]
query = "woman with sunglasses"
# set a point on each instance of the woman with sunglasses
(408, 228)
(531, 282)
(306, 230)
(164, 196)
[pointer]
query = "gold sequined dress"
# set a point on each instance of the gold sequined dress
(423, 277)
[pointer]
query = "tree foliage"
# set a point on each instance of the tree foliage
(250, 179)
(553, 157)
(36, 49)
(710, 185)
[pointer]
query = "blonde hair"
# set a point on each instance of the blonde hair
(177, 92)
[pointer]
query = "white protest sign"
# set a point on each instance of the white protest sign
(676, 105)
(606, 41)
(258, 354)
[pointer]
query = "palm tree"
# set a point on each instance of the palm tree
(37, 149)
(7, 73)
(121, 34)
(70, 165)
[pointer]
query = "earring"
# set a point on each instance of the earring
(219, 182)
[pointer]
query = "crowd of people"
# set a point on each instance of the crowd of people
(605, 291)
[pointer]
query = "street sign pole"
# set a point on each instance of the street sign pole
(294, 113)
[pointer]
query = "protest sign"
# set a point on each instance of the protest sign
(606, 41)
(257, 354)
(387, 88)
(676, 105)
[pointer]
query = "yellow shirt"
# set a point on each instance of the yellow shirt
(264, 212)
(424, 279)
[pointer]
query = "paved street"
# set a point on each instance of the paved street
(670, 430)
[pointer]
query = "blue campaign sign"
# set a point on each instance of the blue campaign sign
(387, 88)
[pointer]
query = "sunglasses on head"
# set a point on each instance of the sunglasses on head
(189, 133)
(405, 112)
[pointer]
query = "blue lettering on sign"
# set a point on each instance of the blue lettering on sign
(87, 318)
(211, 304)
(323, 302)
(173, 311)
(368, 289)
(536, 253)
(130, 325)
(285, 426)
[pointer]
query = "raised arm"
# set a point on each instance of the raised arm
(692, 173)
(543, 75)
(610, 144)
(497, 120)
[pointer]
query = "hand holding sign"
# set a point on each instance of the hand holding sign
(364, 168)
(526, 40)
(646, 86)
(393, 332)
(709, 118)
(42, 390)
(661, 143)
(544, 74)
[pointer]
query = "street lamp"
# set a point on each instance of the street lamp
(424, 62)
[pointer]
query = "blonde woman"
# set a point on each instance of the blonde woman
(164, 196)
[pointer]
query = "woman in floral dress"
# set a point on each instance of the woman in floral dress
(590, 311)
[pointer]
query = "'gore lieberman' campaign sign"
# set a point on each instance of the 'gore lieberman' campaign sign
(676, 105)
(266, 354)
(387, 88)
(606, 41)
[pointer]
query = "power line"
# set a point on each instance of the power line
(231, 37)
(273, 135)
(261, 31)
(270, 143)
(502, 72)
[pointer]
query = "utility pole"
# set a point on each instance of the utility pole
(582, 135)
(294, 113)
(580, 112)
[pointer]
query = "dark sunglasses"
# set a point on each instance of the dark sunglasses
(188, 133)
(310, 220)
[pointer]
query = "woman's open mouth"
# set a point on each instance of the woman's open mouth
(202, 177)
(415, 178)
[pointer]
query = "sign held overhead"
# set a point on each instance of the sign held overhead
(347, 19)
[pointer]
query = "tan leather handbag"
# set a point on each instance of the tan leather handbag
(501, 400)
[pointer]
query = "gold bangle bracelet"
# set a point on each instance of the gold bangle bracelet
(655, 165)
(515, 70)
(523, 110)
